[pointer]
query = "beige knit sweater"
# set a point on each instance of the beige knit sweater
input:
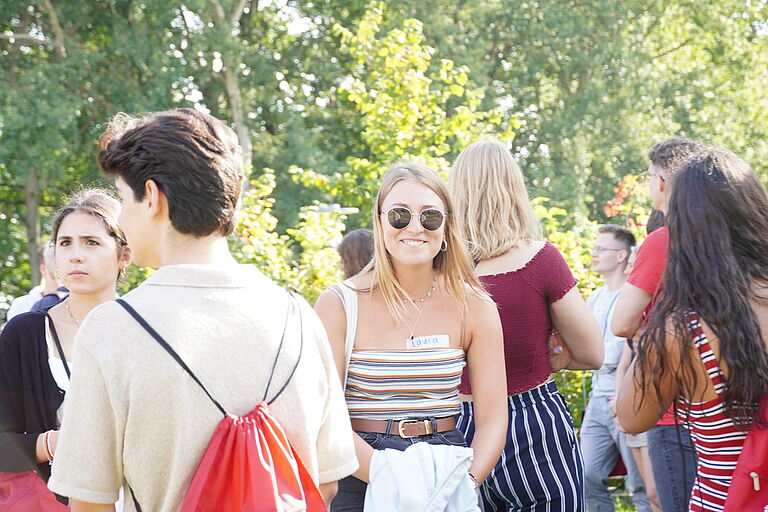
(133, 415)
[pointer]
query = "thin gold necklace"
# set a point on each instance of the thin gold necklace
(423, 300)
(66, 305)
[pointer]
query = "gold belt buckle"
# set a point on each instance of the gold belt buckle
(402, 423)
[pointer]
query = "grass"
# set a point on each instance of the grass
(623, 504)
(622, 501)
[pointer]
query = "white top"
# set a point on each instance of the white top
(133, 415)
(24, 303)
(602, 303)
(57, 369)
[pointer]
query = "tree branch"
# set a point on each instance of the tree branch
(58, 32)
(672, 50)
(23, 37)
(218, 10)
(232, 88)
(238, 12)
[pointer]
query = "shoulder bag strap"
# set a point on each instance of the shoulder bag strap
(168, 349)
(58, 344)
(292, 303)
(181, 362)
(348, 295)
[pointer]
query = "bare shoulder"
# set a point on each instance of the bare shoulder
(363, 282)
(330, 307)
(481, 307)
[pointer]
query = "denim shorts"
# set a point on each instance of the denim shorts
(351, 494)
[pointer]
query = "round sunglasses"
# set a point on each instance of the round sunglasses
(399, 217)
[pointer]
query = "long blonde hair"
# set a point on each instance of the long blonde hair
(491, 203)
(453, 264)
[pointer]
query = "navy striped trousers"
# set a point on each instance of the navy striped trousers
(541, 468)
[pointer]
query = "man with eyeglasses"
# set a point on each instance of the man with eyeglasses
(601, 440)
(673, 458)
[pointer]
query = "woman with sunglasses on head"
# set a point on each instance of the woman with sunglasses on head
(404, 328)
(541, 466)
(36, 348)
(705, 344)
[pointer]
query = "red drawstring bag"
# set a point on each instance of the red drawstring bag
(749, 487)
(251, 454)
(26, 492)
(249, 464)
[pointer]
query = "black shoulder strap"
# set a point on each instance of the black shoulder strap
(292, 302)
(169, 349)
(58, 344)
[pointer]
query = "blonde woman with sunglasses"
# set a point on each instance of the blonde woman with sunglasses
(421, 317)
(541, 467)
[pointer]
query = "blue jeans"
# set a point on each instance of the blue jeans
(674, 466)
(601, 445)
(351, 494)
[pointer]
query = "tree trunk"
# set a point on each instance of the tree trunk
(32, 199)
(231, 85)
(236, 106)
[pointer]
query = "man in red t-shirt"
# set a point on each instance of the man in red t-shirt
(673, 458)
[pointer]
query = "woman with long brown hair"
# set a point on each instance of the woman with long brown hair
(705, 347)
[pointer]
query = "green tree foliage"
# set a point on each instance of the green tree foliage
(409, 111)
(303, 259)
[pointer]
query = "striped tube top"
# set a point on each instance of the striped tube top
(404, 384)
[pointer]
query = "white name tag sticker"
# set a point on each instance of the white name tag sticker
(432, 341)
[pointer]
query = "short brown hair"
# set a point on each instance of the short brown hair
(669, 155)
(356, 251)
(621, 234)
(193, 158)
(655, 221)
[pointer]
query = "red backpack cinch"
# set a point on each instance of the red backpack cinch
(749, 487)
(249, 464)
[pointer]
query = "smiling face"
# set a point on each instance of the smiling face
(88, 259)
(411, 245)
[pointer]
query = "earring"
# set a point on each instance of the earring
(444, 245)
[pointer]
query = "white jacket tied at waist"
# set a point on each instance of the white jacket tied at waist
(423, 478)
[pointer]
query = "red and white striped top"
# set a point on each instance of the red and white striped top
(717, 440)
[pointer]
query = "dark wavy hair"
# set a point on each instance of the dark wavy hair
(193, 158)
(717, 266)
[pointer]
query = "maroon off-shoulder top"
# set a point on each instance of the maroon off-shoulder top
(523, 297)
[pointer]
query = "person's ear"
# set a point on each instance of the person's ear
(662, 184)
(155, 198)
(126, 257)
(622, 255)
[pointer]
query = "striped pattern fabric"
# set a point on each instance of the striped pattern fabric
(540, 469)
(403, 384)
(718, 441)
